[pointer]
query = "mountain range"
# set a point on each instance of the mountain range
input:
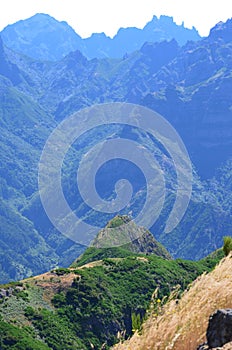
(189, 85)
(43, 37)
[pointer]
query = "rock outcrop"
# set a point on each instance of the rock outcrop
(122, 232)
(219, 332)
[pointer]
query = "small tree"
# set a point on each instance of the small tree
(227, 247)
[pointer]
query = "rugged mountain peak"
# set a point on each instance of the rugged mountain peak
(222, 31)
(75, 57)
(121, 231)
(118, 220)
(152, 48)
(43, 37)
(164, 25)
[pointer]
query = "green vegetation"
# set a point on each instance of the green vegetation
(31, 105)
(143, 242)
(136, 322)
(14, 338)
(113, 296)
(61, 271)
(116, 222)
(227, 247)
(56, 330)
(94, 254)
(12, 284)
(105, 299)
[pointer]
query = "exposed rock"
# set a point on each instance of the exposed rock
(227, 346)
(6, 292)
(3, 293)
(219, 330)
(203, 347)
(122, 231)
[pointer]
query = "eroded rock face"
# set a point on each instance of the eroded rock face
(219, 330)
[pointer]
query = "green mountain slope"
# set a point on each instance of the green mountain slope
(91, 306)
(24, 127)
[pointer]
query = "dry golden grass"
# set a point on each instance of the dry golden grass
(50, 283)
(183, 326)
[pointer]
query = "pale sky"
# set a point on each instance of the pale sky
(88, 16)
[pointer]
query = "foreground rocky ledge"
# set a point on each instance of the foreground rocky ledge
(219, 332)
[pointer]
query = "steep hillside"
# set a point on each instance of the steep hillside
(25, 248)
(192, 92)
(182, 324)
(44, 38)
(91, 306)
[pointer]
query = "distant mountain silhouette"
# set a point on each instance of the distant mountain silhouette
(43, 37)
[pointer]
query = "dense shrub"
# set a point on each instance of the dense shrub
(227, 247)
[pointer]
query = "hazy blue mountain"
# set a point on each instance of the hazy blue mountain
(42, 37)
(193, 92)
(128, 40)
(189, 85)
(24, 127)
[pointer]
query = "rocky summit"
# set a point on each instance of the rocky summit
(123, 232)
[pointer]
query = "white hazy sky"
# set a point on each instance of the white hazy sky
(88, 16)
